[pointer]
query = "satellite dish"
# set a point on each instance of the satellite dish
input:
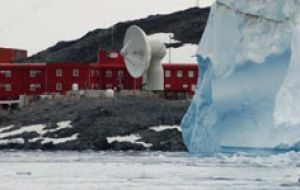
(143, 58)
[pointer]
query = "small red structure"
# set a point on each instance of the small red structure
(109, 72)
(180, 77)
(8, 55)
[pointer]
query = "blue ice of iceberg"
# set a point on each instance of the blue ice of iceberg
(248, 92)
(200, 132)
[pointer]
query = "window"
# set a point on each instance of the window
(179, 74)
(7, 74)
(194, 87)
(93, 73)
(59, 73)
(108, 74)
(121, 75)
(7, 87)
(33, 87)
(33, 73)
(113, 55)
(75, 73)
(58, 87)
(191, 74)
(167, 86)
(167, 73)
(185, 86)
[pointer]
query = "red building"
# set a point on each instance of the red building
(109, 72)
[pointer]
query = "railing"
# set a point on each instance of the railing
(8, 102)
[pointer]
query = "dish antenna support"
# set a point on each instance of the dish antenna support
(143, 58)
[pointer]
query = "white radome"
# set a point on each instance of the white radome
(109, 94)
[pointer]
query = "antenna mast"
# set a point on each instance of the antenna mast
(197, 3)
(112, 38)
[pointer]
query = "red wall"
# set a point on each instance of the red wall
(20, 80)
(67, 79)
(184, 83)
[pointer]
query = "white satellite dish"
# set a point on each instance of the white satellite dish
(143, 58)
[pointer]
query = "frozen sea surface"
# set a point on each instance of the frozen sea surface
(153, 171)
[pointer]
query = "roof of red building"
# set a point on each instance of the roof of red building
(22, 64)
(182, 65)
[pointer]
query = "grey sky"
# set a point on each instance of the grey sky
(38, 24)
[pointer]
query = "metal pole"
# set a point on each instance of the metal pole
(170, 48)
(112, 38)
(198, 3)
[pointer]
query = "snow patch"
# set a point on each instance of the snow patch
(56, 140)
(12, 141)
(40, 129)
(32, 128)
(163, 128)
(6, 128)
(61, 125)
(133, 138)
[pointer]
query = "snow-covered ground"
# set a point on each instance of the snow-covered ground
(143, 171)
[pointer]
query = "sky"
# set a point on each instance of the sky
(37, 24)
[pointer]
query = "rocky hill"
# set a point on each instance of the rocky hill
(125, 123)
(187, 26)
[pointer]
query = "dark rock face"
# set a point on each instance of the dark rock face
(187, 26)
(95, 120)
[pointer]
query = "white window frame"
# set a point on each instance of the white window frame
(7, 74)
(76, 73)
(168, 73)
(59, 72)
(92, 73)
(34, 87)
(108, 74)
(191, 74)
(7, 88)
(179, 73)
(121, 74)
(33, 73)
(58, 87)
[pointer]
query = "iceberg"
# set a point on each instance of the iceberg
(248, 92)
